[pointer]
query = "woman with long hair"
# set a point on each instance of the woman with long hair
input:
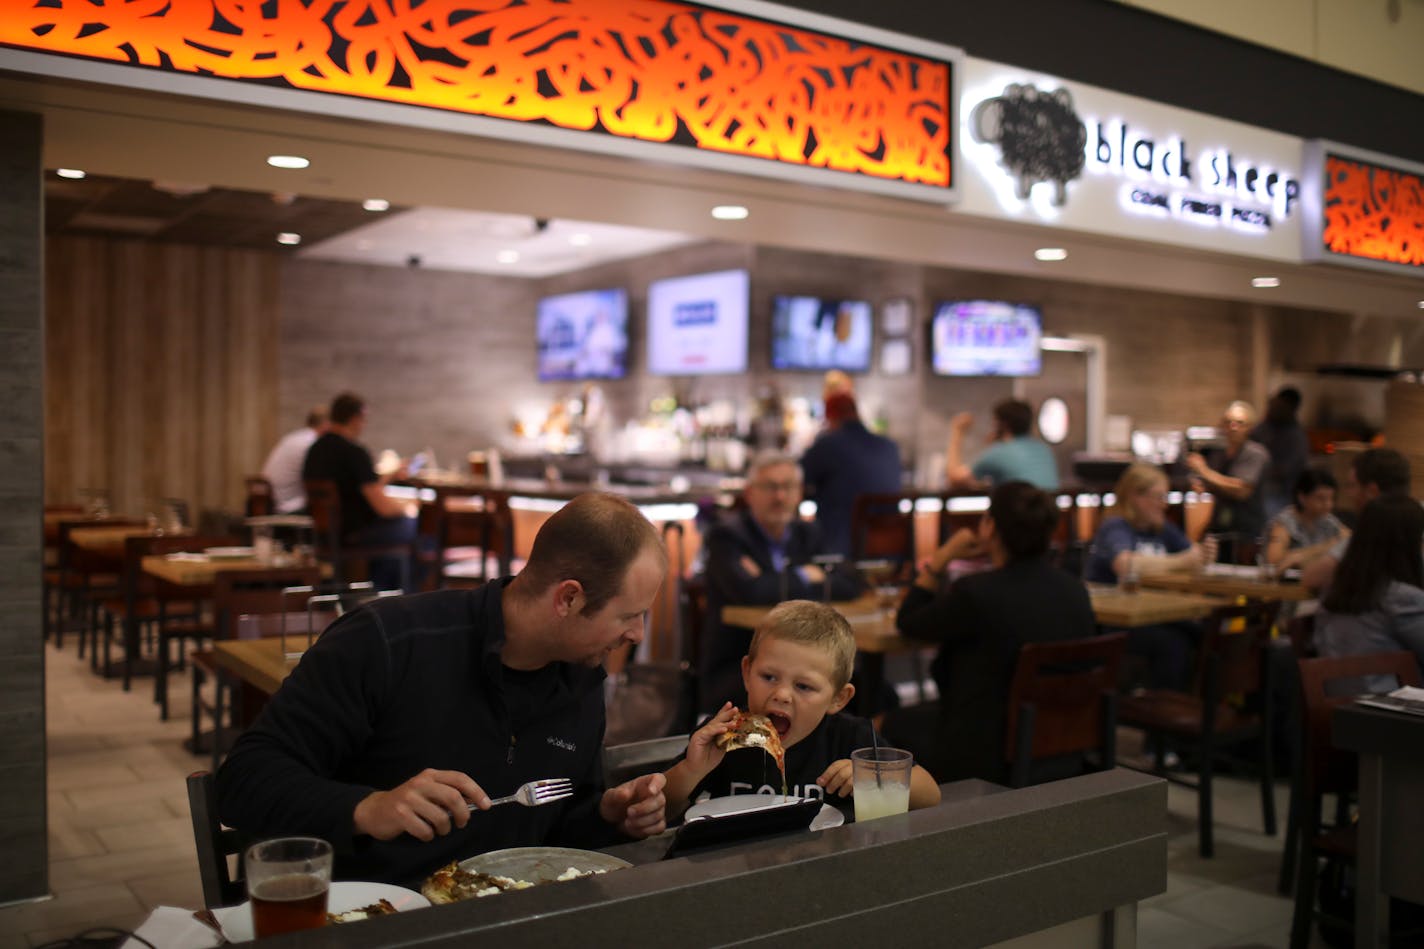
(1376, 601)
(1307, 527)
(1136, 538)
(1136, 535)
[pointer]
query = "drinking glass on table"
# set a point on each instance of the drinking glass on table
(881, 781)
(1265, 570)
(1130, 579)
(1210, 548)
(287, 882)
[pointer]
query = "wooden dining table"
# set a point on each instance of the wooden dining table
(196, 571)
(261, 663)
(876, 635)
(106, 539)
(1228, 586)
(1117, 608)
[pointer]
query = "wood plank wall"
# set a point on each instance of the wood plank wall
(162, 371)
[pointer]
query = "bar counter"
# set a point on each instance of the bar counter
(1067, 861)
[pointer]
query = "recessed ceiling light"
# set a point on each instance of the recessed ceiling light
(1050, 253)
(287, 161)
(507, 257)
(69, 173)
(1421, 304)
(580, 239)
(730, 212)
(1263, 283)
(376, 204)
(288, 238)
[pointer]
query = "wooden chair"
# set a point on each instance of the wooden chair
(222, 882)
(53, 514)
(1064, 547)
(324, 505)
(260, 499)
(1326, 684)
(1229, 704)
(882, 527)
(181, 615)
(1063, 701)
(1300, 630)
(84, 578)
(135, 607)
(238, 592)
(470, 538)
(951, 521)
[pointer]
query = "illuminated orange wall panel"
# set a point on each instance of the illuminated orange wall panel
(641, 69)
(1373, 212)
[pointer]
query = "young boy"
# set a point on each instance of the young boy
(797, 673)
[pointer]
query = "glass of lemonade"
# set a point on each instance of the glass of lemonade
(881, 778)
(287, 881)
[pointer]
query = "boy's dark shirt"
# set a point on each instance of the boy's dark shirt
(753, 771)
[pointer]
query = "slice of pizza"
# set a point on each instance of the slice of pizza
(754, 731)
(452, 883)
(381, 908)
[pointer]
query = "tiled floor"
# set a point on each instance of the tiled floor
(121, 842)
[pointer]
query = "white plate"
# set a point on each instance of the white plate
(742, 803)
(540, 864)
(345, 895)
(229, 553)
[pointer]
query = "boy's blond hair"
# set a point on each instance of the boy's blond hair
(811, 624)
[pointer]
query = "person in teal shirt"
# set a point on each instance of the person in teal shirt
(1014, 454)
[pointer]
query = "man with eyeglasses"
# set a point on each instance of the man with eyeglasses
(762, 555)
(1233, 475)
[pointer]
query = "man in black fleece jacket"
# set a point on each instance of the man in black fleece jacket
(411, 709)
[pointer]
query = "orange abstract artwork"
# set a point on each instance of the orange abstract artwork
(644, 69)
(1373, 212)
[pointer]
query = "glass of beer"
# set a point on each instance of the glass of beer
(287, 881)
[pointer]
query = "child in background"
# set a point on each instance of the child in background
(797, 673)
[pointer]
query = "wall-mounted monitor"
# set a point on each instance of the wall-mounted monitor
(583, 335)
(985, 338)
(697, 325)
(816, 333)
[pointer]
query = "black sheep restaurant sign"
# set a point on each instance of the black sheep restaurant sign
(1036, 148)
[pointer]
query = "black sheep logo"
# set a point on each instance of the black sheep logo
(1040, 137)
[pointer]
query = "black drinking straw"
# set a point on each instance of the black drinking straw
(875, 744)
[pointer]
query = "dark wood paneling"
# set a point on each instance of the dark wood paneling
(162, 363)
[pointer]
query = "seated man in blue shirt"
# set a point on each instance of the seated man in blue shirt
(760, 556)
(1014, 454)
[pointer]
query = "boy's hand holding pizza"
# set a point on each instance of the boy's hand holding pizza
(703, 751)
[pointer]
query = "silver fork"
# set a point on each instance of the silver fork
(545, 791)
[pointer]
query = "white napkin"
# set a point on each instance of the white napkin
(1408, 693)
(171, 927)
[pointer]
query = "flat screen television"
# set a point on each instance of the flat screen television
(985, 338)
(815, 333)
(697, 325)
(583, 335)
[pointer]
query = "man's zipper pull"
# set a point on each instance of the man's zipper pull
(509, 757)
